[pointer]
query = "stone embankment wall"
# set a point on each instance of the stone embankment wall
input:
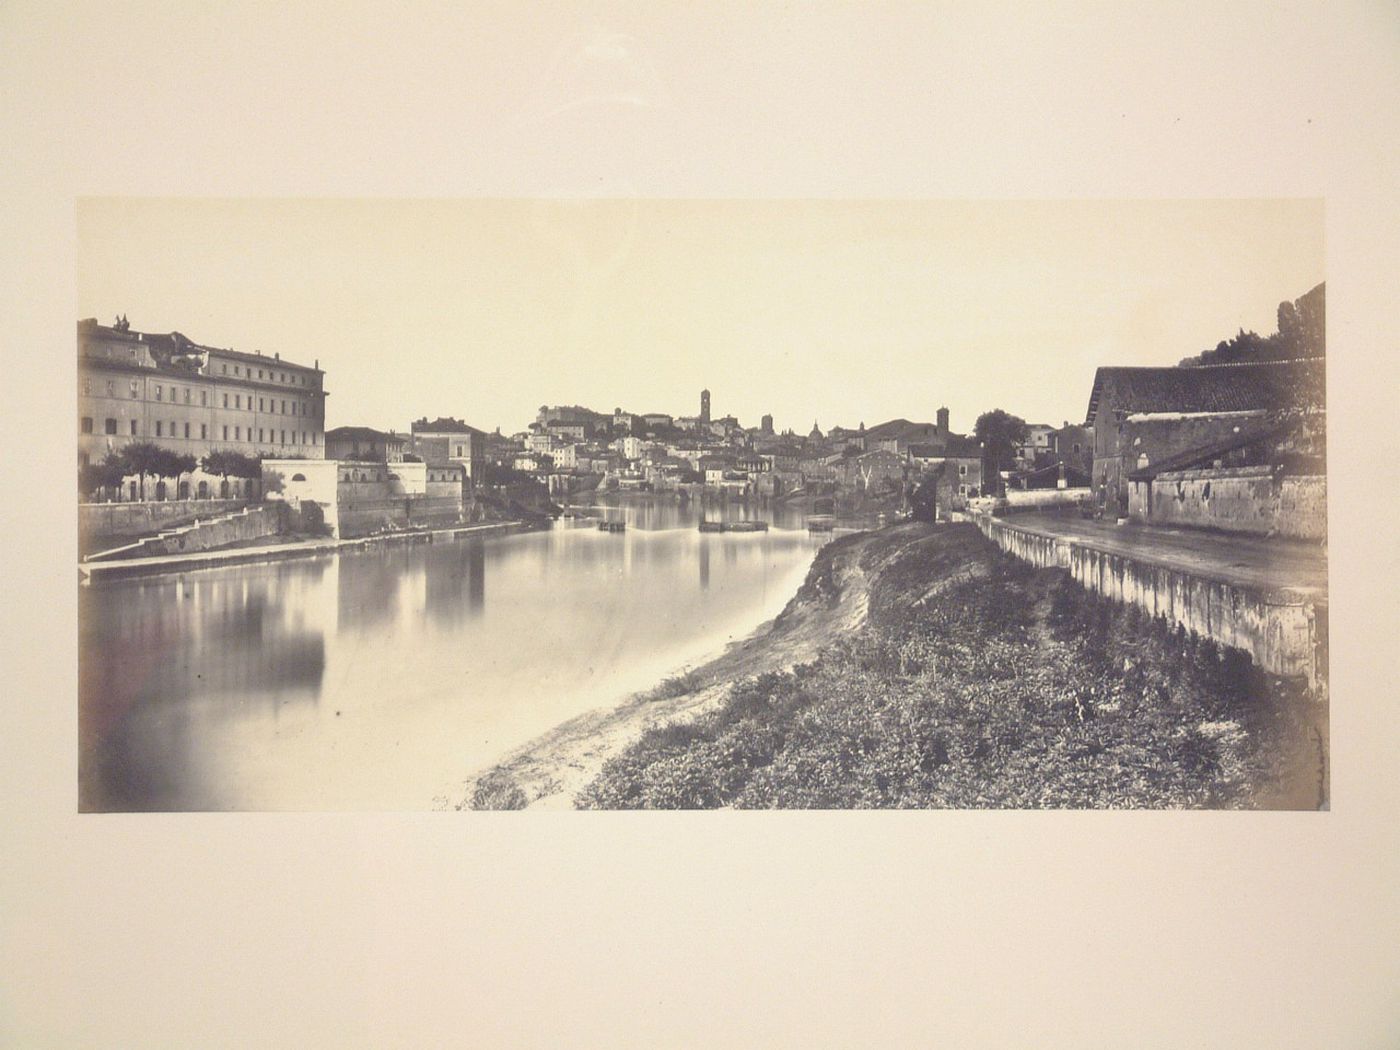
(250, 523)
(363, 516)
(1242, 499)
(1046, 499)
(99, 523)
(1285, 634)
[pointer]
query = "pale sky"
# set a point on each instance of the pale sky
(827, 310)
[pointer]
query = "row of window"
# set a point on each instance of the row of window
(268, 404)
(272, 375)
(298, 408)
(275, 436)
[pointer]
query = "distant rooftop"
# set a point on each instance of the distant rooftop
(362, 434)
(443, 425)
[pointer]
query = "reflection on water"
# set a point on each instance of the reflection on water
(381, 678)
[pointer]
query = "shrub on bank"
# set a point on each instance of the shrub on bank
(677, 685)
(498, 790)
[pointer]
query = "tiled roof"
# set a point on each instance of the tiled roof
(901, 430)
(1204, 388)
(165, 345)
(178, 342)
(954, 446)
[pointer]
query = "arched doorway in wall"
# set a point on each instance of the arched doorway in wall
(223, 489)
(160, 490)
(184, 490)
(203, 490)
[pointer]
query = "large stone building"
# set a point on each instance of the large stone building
(448, 440)
(194, 399)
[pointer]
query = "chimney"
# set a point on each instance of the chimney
(942, 422)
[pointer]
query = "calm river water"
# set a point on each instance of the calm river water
(381, 678)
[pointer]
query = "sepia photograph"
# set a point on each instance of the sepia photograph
(651, 525)
(686, 504)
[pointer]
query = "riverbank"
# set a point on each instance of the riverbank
(918, 666)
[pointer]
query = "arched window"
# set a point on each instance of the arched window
(298, 477)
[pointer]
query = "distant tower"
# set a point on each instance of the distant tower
(942, 422)
(767, 425)
(816, 434)
(704, 406)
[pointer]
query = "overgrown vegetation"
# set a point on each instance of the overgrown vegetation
(682, 684)
(498, 790)
(979, 682)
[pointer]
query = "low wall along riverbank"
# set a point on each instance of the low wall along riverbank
(1284, 632)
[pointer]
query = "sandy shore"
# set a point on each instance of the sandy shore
(555, 766)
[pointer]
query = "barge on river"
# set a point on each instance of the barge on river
(734, 526)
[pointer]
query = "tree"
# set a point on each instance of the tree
(227, 463)
(1000, 433)
(106, 474)
(145, 457)
(923, 500)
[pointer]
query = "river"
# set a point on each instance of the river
(380, 678)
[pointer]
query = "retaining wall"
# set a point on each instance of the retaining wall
(1283, 632)
(364, 516)
(1243, 499)
(1042, 499)
(99, 522)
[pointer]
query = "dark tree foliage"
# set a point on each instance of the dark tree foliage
(495, 474)
(106, 474)
(1000, 433)
(923, 499)
(1302, 332)
(227, 463)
